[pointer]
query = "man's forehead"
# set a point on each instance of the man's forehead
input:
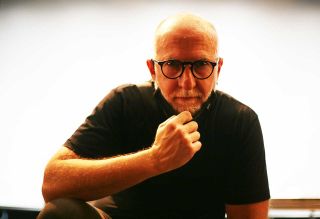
(184, 34)
(185, 37)
(180, 48)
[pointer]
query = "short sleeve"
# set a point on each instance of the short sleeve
(99, 135)
(247, 180)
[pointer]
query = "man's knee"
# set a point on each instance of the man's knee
(67, 208)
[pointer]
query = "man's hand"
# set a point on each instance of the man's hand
(177, 140)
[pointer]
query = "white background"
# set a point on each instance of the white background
(58, 60)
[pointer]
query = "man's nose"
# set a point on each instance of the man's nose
(187, 81)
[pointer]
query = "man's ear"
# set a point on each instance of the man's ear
(220, 63)
(150, 65)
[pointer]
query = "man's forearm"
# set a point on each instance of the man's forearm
(93, 179)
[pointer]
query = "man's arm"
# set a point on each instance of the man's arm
(257, 210)
(68, 175)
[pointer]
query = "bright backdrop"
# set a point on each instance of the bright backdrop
(58, 60)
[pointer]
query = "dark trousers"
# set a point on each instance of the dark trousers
(67, 208)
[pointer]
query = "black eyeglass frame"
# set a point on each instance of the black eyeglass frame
(213, 64)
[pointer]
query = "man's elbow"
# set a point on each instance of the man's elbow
(46, 193)
(48, 187)
(48, 190)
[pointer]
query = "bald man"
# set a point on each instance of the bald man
(173, 147)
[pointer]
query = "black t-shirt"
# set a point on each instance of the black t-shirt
(230, 167)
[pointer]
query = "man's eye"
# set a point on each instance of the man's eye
(200, 64)
(172, 64)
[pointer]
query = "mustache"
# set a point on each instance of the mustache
(187, 93)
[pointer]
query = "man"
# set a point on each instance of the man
(171, 148)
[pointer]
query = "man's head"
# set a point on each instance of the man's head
(186, 38)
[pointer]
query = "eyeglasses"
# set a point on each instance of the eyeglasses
(173, 69)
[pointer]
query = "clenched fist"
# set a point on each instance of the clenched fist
(176, 141)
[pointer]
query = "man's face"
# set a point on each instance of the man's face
(185, 93)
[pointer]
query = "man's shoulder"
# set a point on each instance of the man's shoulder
(126, 95)
(132, 98)
(129, 91)
(231, 105)
(145, 86)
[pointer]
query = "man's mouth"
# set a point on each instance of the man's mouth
(187, 99)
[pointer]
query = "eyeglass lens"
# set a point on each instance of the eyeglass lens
(173, 68)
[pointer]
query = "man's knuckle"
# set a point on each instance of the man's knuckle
(180, 132)
(171, 126)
